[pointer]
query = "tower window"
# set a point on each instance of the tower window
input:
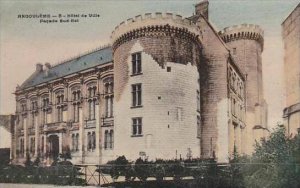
(136, 95)
(168, 69)
(136, 60)
(136, 126)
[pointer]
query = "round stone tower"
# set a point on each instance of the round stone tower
(156, 87)
(246, 45)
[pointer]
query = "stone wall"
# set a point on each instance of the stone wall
(170, 81)
(169, 105)
(291, 40)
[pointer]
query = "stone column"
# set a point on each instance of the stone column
(53, 110)
(36, 127)
(14, 139)
(25, 135)
(66, 99)
(82, 122)
(97, 132)
(98, 121)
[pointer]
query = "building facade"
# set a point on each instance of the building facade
(167, 87)
(291, 40)
(6, 131)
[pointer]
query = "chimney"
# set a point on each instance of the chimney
(47, 68)
(39, 67)
(202, 8)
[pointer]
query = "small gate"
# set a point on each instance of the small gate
(92, 174)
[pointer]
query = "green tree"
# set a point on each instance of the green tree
(119, 167)
(142, 169)
(273, 163)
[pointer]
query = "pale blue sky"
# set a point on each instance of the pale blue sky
(25, 42)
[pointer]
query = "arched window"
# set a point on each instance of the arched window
(108, 96)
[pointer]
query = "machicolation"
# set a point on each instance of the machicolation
(244, 31)
(158, 24)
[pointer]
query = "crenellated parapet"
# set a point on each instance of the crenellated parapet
(244, 31)
(157, 24)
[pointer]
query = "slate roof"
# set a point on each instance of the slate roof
(81, 63)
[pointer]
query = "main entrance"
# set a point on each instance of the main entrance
(53, 146)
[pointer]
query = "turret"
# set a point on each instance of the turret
(246, 45)
(155, 55)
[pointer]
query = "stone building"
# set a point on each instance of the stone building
(291, 40)
(167, 87)
(6, 132)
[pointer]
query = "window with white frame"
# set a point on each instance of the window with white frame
(108, 96)
(136, 90)
(76, 100)
(137, 126)
(136, 60)
(108, 139)
(45, 104)
(92, 99)
(91, 141)
(75, 142)
(59, 105)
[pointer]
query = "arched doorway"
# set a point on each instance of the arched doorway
(53, 146)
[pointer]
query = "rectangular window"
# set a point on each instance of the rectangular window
(89, 141)
(136, 63)
(136, 95)
(137, 126)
